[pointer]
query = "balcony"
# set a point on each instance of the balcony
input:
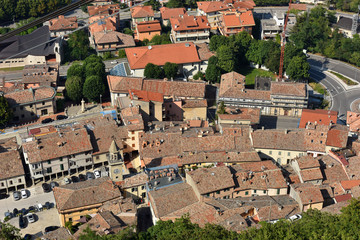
(191, 34)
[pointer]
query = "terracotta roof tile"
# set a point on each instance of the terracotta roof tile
(352, 120)
(10, 159)
(107, 9)
(212, 6)
(337, 136)
(244, 4)
(355, 191)
(349, 184)
(167, 13)
(42, 74)
(146, 96)
(343, 198)
(83, 194)
(307, 162)
(178, 53)
(332, 170)
(335, 208)
(353, 169)
(194, 103)
(237, 19)
(58, 234)
(121, 39)
(252, 114)
(135, 180)
(63, 23)
(123, 84)
(320, 116)
(108, 24)
(298, 6)
(267, 213)
(288, 89)
(187, 23)
(308, 193)
(30, 95)
(170, 199)
(204, 51)
(148, 26)
(142, 11)
(311, 174)
(279, 139)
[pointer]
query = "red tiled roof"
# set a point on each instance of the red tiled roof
(142, 11)
(212, 6)
(178, 53)
(252, 114)
(337, 136)
(186, 23)
(320, 116)
(167, 13)
(121, 39)
(342, 198)
(30, 95)
(288, 88)
(146, 96)
(348, 184)
(298, 6)
(244, 4)
(108, 24)
(194, 103)
(238, 19)
(148, 26)
(63, 23)
(353, 120)
(103, 9)
(311, 174)
(10, 159)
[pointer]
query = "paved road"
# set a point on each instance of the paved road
(341, 97)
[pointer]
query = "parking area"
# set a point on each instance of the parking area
(43, 219)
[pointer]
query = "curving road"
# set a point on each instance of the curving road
(341, 97)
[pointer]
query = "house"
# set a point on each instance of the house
(319, 116)
(186, 55)
(141, 14)
(352, 121)
(39, 75)
(99, 23)
(60, 152)
(242, 116)
(190, 29)
(12, 174)
(58, 234)
(147, 30)
(18, 51)
(77, 200)
(308, 169)
(307, 195)
(30, 104)
(242, 5)
(283, 98)
(272, 27)
(106, 9)
(134, 186)
(111, 41)
(151, 104)
(62, 26)
(194, 109)
(348, 26)
(167, 13)
(212, 10)
(232, 22)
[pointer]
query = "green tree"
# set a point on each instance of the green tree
(175, 4)
(298, 68)
(221, 108)
(93, 59)
(122, 53)
(21, 10)
(170, 70)
(154, 4)
(74, 88)
(199, 75)
(75, 70)
(41, 7)
(78, 45)
(5, 111)
(128, 31)
(226, 58)
(212, 72)
(218, 40)
(95, 69)
(93, 88)
(355, 58)
(161, 39)
(153, 71)
(9, 232)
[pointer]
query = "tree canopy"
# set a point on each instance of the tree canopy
(153, 71)
(75, 70)
(77, 47)
(170, 70)
(5, 112)
(74, 86)
(93, 88)
(298, 68)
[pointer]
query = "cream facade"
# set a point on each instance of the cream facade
(13, 183)
(281, 156)
(194, 113)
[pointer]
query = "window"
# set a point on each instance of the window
(143, 195)
(70, 219)
(254, 191)
(61, 159)
(21, 108)
(132, 132)
(217, 192)
(312, 140)
(142, 187)
(30, 105)
(2, 184)
(49, 170)
(133, 189)
(97, 157)
(11, 182)
(246, 193)
(279, 153)
(278, 191)
(170, 106)
(264, 191)
(321, 142)
(270, 152)
(49, 161)
(19, 180)
(62, 167)
(125, 146)
(43, 103)
(133, 145)
(288, 153)
(133, 138)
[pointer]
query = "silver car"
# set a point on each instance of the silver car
(30, 217)
(16, 195)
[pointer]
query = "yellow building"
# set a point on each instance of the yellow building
(135, 186)
(77, 200)
(194, 109)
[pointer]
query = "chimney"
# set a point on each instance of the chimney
(286, 131)
(166, 79)
(82, 106)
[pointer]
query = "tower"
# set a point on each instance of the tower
(116, 163)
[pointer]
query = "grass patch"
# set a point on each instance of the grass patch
(11, 69)
(344, 79)
(251, 73)
(318, 88)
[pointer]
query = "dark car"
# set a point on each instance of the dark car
(8, 214)
(90, 175)
(23, 211)
(31, 209)
(74, 179)
(46, 187)
(61, 117)
(46, 120)
(53, 184)
(15, 212)
(82, 177)
(22, 221)
(16, 195)
(47, 205)
(28, 237)
(51, 228)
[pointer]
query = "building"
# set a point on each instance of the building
(77, 200)
(242, 116)
(272, 27)
(141, 14)
(186, 55)
(151, 104)
(106, 9)
(62, 26)
(28, 49)
(111, 41)
(31, 103)
(308, 169)
(194, 109)
(60, 233)
(167, 13)
(212, 10)
(232, 22)
(283, 98)
(348, 26)
(60, 152)
(190, 29)
(12, 174)
(101, 2)
(39, 75)
(319, 116)
(99, 23)
(134, 186)
(352, 121)
(307, 195)
(147, 30)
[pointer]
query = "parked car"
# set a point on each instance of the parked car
(89, 175)
(66, 181)
(97, 174)
(16, 195)
(28, 237)
(46, 187)
(295, 217)
(50, 229)
(8, 214)
(23, 211)
(61, 117)
(46, 120)
(47, 205)
(30, 217)
(82, 177)
(74, 179)
(53, 184)
(15, 212)
(39, 207)
(31, 209)
(22, 222)
(24, 193)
